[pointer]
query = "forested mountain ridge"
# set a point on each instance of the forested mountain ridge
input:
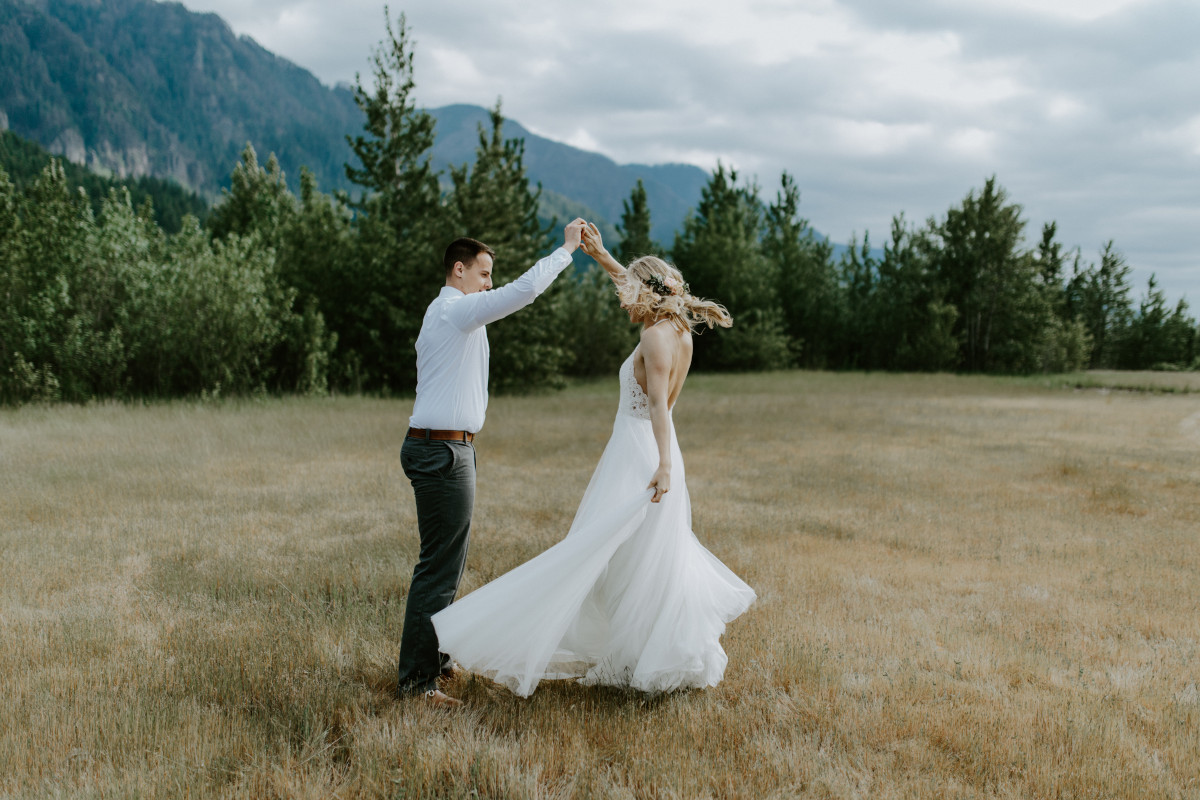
(142, 88)
(136, 87)
(23, 162)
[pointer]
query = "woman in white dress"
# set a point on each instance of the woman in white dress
(629, 597)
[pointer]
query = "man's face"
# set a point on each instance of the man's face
(477, 276)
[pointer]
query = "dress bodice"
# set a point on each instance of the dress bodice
(633, 400)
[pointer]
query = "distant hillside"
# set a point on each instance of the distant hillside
(24, 161)
(141, 88)
(136, 87)
(590, 179)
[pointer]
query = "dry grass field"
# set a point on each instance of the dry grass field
(968, 588)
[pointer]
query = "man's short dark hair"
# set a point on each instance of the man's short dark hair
(464, 250)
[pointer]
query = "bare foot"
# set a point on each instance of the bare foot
(439, 699)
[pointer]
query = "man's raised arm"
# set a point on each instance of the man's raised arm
(480, 308)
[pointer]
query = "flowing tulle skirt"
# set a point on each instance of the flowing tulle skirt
(628, 598)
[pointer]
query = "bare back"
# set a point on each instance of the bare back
(678, 345)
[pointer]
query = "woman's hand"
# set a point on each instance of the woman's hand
(592, 243)
(660, 483)
(573, 233)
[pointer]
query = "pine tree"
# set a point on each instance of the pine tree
(492, 202)
(807, 280)
(257, 201)
(394, 150)
(401, 226)
(1066, 345)
(635, 227)
(1099, 296)
(913, 322)
(1158, 338)
(977, 256)
(720, 254)
(858, 273)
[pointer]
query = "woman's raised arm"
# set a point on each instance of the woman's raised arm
(593, 245)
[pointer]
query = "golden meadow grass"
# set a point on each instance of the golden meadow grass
(969, 587)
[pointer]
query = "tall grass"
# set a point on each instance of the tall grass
(968, 587)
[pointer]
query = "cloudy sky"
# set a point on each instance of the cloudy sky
(1087, 111)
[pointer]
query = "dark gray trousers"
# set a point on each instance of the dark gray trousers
(443, 481)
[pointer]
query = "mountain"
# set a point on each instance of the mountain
(141, 88)
(23, 162)
(594, 181)
(136, 87)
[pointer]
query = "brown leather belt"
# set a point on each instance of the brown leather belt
(441, 436)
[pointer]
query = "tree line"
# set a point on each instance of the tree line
(24, 161)
(283, 293)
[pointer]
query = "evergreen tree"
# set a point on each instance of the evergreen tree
(913, 324)
(492, 202)
(807, 280)
(991, 281)
(401, 226)
(259, 205)
(858, 272)
(1158, 338)
(635, 228)
(317, 251)
(53, 347)
(12, 288)
(257, 201)
(720, 254)
(596, 330)
(1099, 297)
(1066, 345)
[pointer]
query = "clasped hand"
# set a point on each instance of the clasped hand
(592, 243)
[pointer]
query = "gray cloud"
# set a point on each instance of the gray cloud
(1087, 111)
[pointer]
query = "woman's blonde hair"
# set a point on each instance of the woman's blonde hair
(654, 288)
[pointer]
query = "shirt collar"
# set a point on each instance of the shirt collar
(450, 291)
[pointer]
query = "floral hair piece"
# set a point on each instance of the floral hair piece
(659, 286)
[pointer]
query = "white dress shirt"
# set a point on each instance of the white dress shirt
(453, 352)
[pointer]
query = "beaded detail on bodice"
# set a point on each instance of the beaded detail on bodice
(633, 400)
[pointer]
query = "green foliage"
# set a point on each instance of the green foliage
(595, 330)
(209, 317)
(401, 228)
(257, 201)
(720, 253)
(1098, 295)
(24, 162)
(1065, 344)
(135, 86)
(58, 340)
(305, 240)
(1157, 337)
(976, 254)
(635, 228)
(114, 307)
(914, 323)
(808, 292)
(492, 202)
(102, 296)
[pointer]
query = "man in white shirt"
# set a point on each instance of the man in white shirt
(438, 455)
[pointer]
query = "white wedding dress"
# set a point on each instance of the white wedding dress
(628, 598)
